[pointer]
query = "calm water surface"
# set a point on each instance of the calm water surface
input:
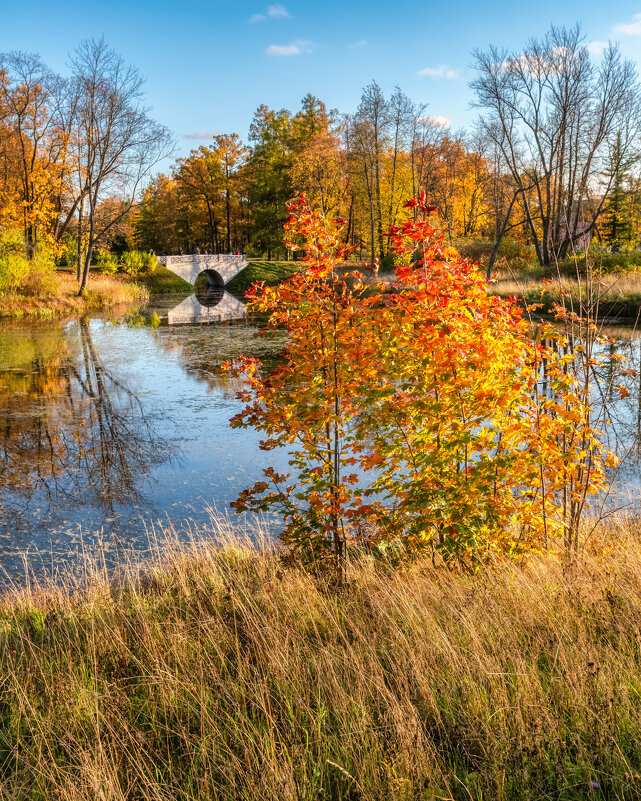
(108, 431)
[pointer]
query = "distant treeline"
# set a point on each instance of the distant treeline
(551, 162)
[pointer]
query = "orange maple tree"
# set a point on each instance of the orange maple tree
(476, 449)
(415, 413)
(310, 401)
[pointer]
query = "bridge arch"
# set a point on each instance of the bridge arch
(214, 278)
(209, 287)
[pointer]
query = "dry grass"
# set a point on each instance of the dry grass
(217, 673)
(103, 292)
(615, 289)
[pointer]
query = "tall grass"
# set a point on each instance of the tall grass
(614, 288)
(221, 673)
(104, 292)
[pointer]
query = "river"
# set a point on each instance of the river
(111, 432)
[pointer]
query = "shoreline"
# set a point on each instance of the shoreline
(104, 292)
(618, 294)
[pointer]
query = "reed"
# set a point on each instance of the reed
(611, 288)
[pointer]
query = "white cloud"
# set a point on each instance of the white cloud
(357, 45)
(439, 72)
(201, 135)
(630, 28)
(277, 11)
(298, 48)
(596, 48)
(533, 65)
(437, 120)
(560, 51)
(551, 62)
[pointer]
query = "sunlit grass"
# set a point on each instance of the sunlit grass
(217, 672)
(61, 297)
(611, 288)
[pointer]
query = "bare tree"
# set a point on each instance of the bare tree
(118, 144)
(554, 117)
(427, 134)
(502, 192)
(403, 114)
(362, 153)
(371, 133)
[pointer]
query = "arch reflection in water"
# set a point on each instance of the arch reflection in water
(210, 303)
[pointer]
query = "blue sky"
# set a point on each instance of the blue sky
(209, 64)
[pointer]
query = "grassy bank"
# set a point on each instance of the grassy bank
(61, 298)
(619, 293)
(103, 292)
(221, 674)
(162, 282)
(271, 272)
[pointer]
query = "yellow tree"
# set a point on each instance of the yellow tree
(320, 170)
(457, 183)
(34, 142)
(158, 211)
(231, 154)
(201, 180)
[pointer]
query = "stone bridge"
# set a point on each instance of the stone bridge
(219, 268)
(208, 304)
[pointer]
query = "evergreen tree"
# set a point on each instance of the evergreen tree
(269, 171)
(618, 214)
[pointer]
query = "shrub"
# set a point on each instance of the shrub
(11, 242)
(40, 278)
(136, 261)
(132, 262)
(604, 261)
(107, 262)
(150, 262)
(69, 252)
(387, 263)
(513, 255)
(14, 267)
(20, 274)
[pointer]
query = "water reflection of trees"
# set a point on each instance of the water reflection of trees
(615, 372)
(72, 432)
(624, 407)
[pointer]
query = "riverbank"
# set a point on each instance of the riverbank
(619, 294)
(103, 292)
(271, 272)
(220, 673)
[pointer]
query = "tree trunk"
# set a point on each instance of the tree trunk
(228, 212)
(88, 254)
(79, 243)
(499, 238)
(379, 211)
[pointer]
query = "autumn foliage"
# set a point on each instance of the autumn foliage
(421, 413)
